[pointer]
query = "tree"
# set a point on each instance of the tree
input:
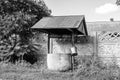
(16, 19)
(118, 2)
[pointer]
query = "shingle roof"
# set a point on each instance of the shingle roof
(103, 26)
(62, 24)
(59, 22)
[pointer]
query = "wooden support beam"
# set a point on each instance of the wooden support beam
(73, 37)
(48, 43)
(51, 45)
(95, 46)
(72, 57)
(96, 42)
(70, 30)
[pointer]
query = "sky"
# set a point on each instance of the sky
(94, 10)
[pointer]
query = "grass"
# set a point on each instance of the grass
(33, 74)
(21, 72)
(87, 68)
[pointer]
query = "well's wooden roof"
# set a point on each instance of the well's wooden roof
(62, 24)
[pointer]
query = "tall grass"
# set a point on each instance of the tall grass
(85, 68)
(92, 68)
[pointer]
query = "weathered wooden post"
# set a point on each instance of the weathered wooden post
(73, 50)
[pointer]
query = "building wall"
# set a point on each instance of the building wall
(108, 50)
(84, 45)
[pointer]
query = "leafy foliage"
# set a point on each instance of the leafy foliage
(118, 2)
(16, 19)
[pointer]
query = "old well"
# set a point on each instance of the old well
(60, 58)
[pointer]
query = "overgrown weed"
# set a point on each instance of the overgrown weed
(92, 68)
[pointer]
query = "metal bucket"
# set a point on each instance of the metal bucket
(73, 51)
